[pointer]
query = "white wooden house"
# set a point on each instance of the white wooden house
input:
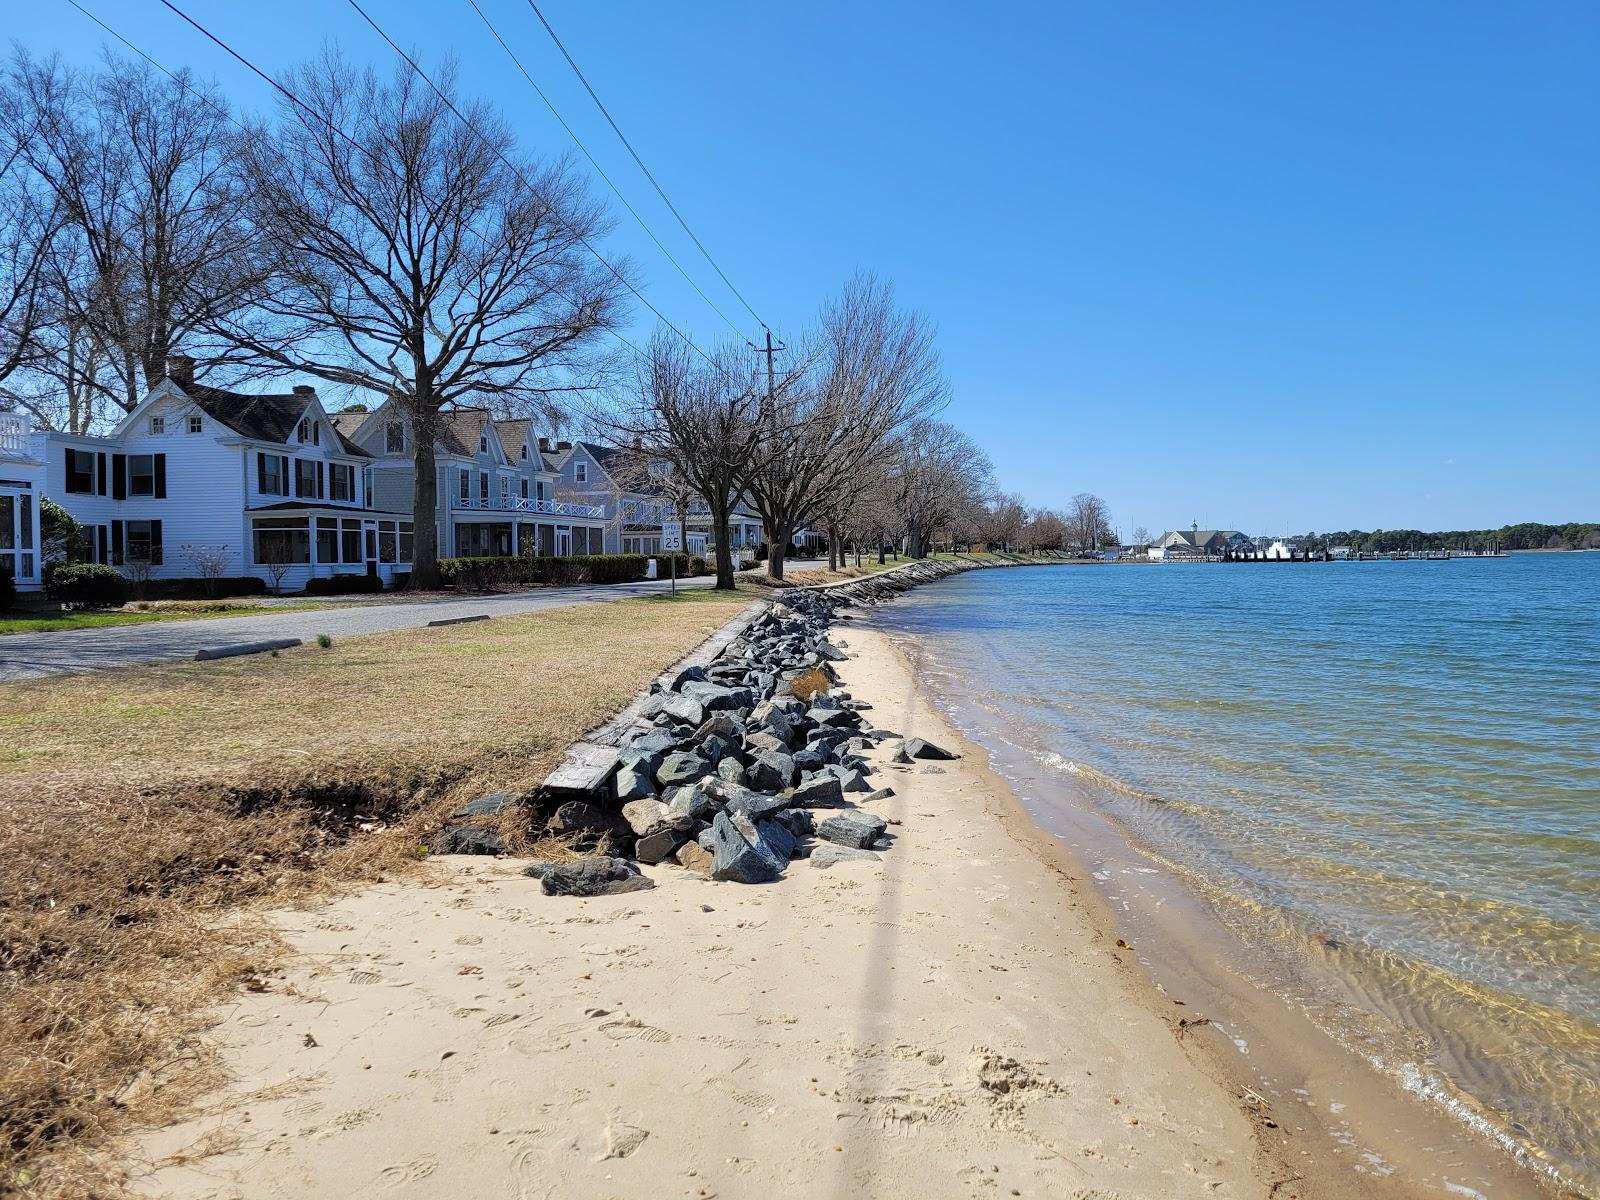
(260, 484)
(21, 486)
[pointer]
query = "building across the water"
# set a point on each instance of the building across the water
(1197, 543)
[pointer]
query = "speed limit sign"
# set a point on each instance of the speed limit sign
(672, 537)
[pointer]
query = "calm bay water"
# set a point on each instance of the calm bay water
(1385, 777)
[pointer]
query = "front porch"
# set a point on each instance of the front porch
(488, 538)
(323, 542)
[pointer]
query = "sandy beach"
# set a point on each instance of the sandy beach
(948, 1021)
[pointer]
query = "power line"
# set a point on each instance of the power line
(599, 169)
(517, 171)
(288, 94)
(571, 62)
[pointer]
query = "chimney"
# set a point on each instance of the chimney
(304, 389)
(563, 445)
(544, 445)
(180, 369)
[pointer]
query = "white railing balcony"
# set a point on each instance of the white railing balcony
(15, 428)
(519, 504)
(640, 512)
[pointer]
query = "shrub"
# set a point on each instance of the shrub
(761, 552)
(402, 580)
(8, 590)
(197, 587)
(343, 585)
(697, 565)
(808, 684)
(324, 641)
(89, 585)
(489, 574)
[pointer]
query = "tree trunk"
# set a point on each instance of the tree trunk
(719, 517)
(883, 553)
(424, 506)
(835, 551)
(775, 551)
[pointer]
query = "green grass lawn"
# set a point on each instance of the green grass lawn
(59, 622)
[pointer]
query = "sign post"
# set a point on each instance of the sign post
(672, 544)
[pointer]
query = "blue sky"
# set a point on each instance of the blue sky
(1261, 265)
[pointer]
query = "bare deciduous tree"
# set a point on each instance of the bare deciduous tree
(1088, 523)
(703, 421)
(941, 475)
(869, 373)
(1003, 520)
(28, 222)
(413, 255)
(150, 247)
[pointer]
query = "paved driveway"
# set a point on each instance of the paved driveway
(32, 655)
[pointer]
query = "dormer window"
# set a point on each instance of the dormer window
(195, 425)
(303, 433)
(483, 444)
(310, 430)
(524, 454)
(394, 438)
(158, 424)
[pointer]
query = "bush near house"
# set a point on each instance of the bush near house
(196, 588)
(8, 591)
(89, 585)
(488, 574)
(697, 565)
(343, 585)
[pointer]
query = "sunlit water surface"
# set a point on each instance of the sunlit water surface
(1390, 770)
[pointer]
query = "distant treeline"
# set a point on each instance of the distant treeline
(1530, 535)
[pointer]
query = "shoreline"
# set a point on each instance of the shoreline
(947, 1020)
(1381, 1137)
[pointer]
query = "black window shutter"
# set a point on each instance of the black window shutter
(105, 549)
(155, 543)
(100, 473)
(316, 433)
(161, 476)
(286, 490)
(72, 464)
(116, 543)
(119, 476)
(321, 470)
(261, 473)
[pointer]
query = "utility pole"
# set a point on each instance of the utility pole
(769, 350)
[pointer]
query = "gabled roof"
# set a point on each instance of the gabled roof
(268, 417)
(513, 437)
(348, 423)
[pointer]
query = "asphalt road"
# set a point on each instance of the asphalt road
(34, 655)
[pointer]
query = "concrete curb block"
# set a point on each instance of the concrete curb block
(245, 648)
(456, 621)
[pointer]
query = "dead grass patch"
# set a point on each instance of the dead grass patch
(809, 683)
(151, 813)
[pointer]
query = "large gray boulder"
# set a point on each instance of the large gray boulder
(465, 839)
(681, 708)
(730, 770)
(635, 781)
(922, 748)
(828, 855)
(818, 791)
(772, 771)
(579, 816)
(598, 875)
(714, 697)
(646, 816)
(659, 845)
(855, 829)
(738, 858)
(691, 802)
(682, 767)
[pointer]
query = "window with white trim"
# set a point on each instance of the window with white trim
(195, 425)
(158, 424)
(580, 472)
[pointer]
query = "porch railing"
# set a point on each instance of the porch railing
(14, 431)
(519, 504)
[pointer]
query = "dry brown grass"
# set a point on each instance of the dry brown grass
(869, 566)
(809, 683)
(149, 813)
